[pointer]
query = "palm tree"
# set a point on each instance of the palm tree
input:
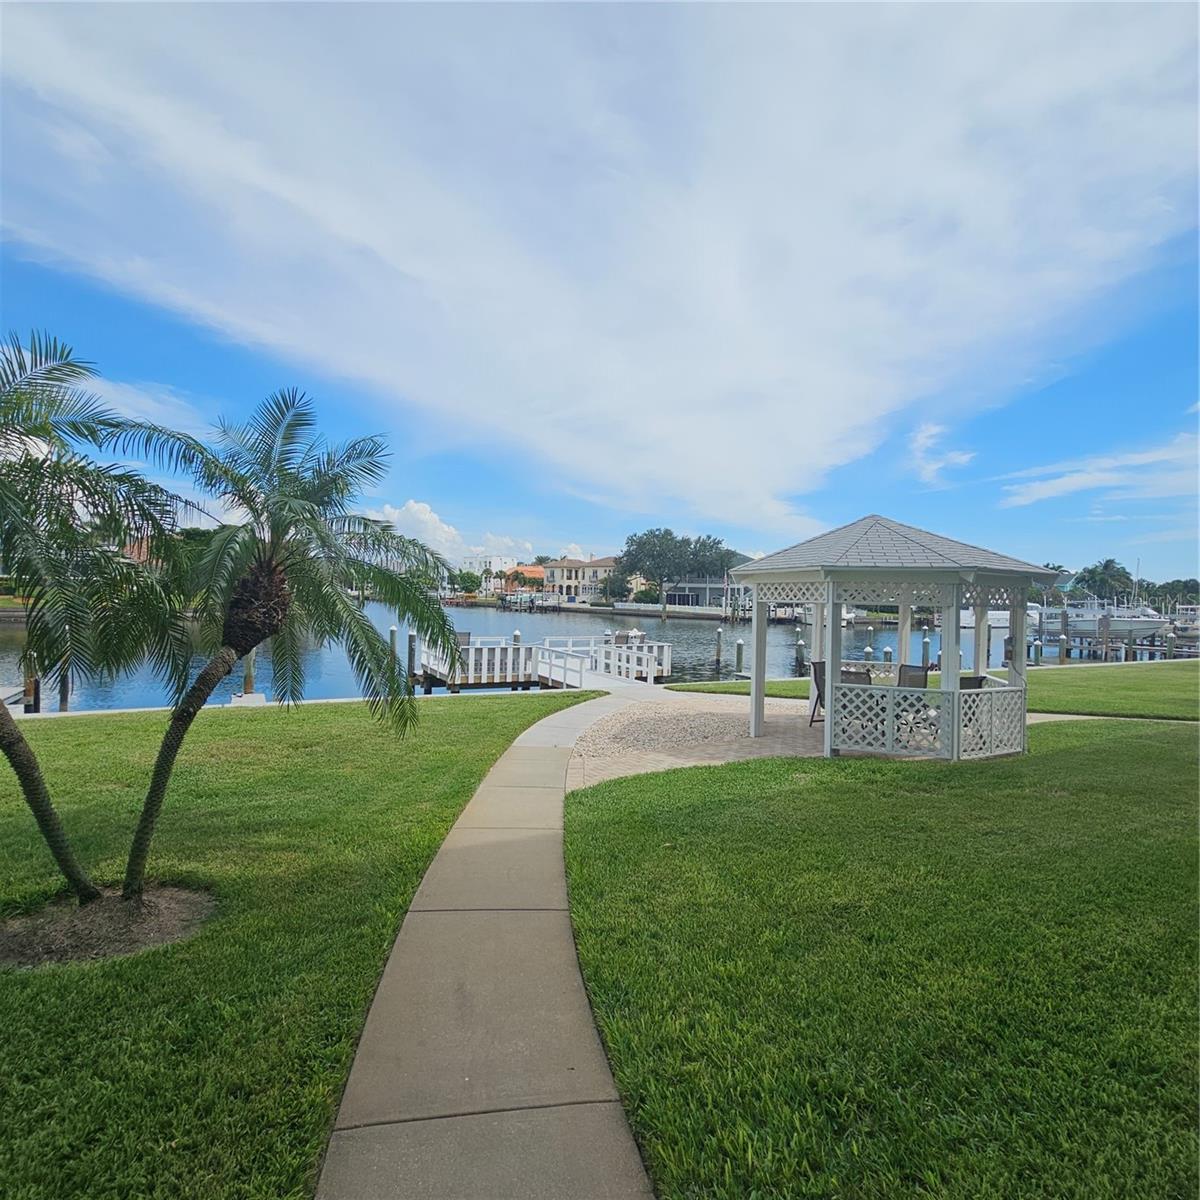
(64, 519)
(284, 572)
(1106, 579)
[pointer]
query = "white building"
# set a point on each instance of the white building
(491, 568)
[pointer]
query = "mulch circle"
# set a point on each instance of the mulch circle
(63, 932)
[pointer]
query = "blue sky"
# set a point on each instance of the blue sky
(750, 271)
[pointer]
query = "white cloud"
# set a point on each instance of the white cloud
(417, 519)
(154, 402)
(573, 550)
(1164, 471)
(495, 543)
(929, 464)
(1185, 532)
(694, 255)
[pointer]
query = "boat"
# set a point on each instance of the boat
(1087, 618)
(1185, 621)
(997, 618)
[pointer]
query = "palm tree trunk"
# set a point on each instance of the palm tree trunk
(662, 597)
(181, 721)
(29, 774)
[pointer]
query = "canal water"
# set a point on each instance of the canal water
(328, 675)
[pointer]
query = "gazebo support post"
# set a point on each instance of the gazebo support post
(981, 639)
(1016, 664)
(833, 662)
(758, 668)
(818, 632)
(817, 653)
(904, 634)
(950, 666)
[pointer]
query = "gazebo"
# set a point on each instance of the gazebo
(877, 561)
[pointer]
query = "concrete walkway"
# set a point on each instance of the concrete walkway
(480, 1074)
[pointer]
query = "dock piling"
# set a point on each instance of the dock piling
(739, 655)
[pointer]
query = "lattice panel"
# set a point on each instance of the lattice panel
(975, 724)
(790, 593)
(889, 720)
(988, 595)
(1008, 721)
(919, 727)
(893, 591)
(860, 718)
(991, 722)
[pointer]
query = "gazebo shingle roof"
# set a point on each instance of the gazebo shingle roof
(877, 542)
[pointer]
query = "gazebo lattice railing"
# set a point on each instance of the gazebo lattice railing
(924, 722)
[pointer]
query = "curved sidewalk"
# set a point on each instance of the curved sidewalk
(480, 1074)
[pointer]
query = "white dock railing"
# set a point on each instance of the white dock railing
(488, 661)
(561, 668)
(625, 661)
(556, 661)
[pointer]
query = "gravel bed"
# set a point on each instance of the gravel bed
(653, 726)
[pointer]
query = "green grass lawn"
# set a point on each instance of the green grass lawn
(212, 1068)
(1170, 690)
(862, 979)
(1163, 689)
(780, 689)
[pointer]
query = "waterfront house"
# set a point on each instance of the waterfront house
(577, 579)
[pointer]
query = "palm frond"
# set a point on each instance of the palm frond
(339, 473)
(224, 560)
(287, 657)
(412, 601)
(384, 682)
(281, 429)
(46, 363)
